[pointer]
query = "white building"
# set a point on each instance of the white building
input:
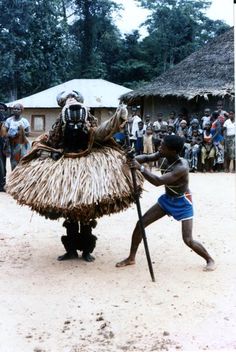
(41, 109)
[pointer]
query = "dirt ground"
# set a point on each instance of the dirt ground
(74, 306)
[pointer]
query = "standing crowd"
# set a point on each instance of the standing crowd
(209, 140)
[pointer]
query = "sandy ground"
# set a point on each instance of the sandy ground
(51, 306)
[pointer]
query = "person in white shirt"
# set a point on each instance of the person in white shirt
(229, 130)
(17, 131)
(147, 121)
(133, 127)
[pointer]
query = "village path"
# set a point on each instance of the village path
(51, 306)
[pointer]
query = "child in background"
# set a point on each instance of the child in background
(147, 143)
(139, 138)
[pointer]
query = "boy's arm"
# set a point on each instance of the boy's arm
(166, 179)
(145, 158)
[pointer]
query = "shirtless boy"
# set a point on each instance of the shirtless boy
(176, 201)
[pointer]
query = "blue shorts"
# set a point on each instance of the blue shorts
(181, 208)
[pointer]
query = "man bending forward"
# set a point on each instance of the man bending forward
(176, 201)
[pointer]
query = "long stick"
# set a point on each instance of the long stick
(136, 196)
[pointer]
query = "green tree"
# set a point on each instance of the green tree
(176, 29)
(95, 36)
(131, 65)
(31, 46)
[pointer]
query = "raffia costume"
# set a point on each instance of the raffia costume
(76, 171)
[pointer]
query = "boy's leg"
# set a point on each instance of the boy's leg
(187, 227)
(153, 214)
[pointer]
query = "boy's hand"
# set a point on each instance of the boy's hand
(134, 164)
(130, 152)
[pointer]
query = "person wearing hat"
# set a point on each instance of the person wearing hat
(183, 129)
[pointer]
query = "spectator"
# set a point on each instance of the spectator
(206, 118)
(229, 128)
(139, 138)
(172, 118)
(170, 129)
(192, 118)
(177, 121)
(219, 108)
(17, 131)
(133, 127)
(218, 140)
(183, 129)
(156, 141)
(147, 121)
(155, 137)
(163, 131)
(3, 147)
(195, 142)
(208, 151)
(147, 143)
(185, 115)
(156, 124)
(160, 120)
(194, 126)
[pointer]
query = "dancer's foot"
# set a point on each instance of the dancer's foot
(125, 262)
(211, 266)
(68, 256)
(88, 257)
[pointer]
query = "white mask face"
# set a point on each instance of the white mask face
(75, 113)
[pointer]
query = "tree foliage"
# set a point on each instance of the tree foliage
(46, 42)
(31, 46)
(176, 29)
(95, 35)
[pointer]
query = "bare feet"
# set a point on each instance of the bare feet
(210, 266)
(125, 262)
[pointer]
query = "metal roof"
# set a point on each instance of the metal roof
(97, 93)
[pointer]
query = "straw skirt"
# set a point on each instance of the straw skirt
(84, 188)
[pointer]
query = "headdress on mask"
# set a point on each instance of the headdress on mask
(63, 96)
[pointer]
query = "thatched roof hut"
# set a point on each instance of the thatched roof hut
(208, 72)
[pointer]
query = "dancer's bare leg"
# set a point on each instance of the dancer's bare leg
(187, 227)
(153, 214)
